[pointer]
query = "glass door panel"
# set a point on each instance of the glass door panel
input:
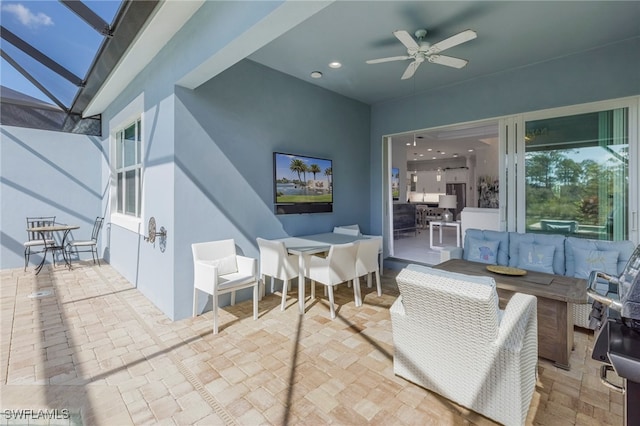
(577, 175)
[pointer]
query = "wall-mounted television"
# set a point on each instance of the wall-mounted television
(302, 184)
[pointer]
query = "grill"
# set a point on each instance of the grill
(616, 318)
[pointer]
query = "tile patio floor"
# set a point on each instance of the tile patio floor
(101, 350)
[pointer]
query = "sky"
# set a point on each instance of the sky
(282, 162)
(56, 31)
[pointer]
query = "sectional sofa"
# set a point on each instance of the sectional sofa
(549, 253)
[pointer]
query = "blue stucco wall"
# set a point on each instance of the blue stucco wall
(208, 155)
(595, 75)
(226, 133)
(208, 152)
(45, 173)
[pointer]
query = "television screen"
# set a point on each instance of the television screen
(395, 183)
(302, 184)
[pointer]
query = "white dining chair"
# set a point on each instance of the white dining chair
(276, 263)
(338, 267)
(367, 261)
(352, 230)
(217, 270)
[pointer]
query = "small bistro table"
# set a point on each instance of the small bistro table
(43, 230)
(440, 224)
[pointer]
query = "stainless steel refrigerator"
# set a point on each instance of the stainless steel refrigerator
(460, 191)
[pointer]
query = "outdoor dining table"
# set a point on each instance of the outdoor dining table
(43, 231)
(307, 245)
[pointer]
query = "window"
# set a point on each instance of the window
(128, 169)
(577, 175)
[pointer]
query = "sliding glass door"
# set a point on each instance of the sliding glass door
(578, 176)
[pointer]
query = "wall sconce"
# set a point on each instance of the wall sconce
(438, 175)
(415, 178)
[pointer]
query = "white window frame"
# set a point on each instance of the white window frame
(132, 222)
(633, 105)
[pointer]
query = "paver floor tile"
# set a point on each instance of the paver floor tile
(98, 346)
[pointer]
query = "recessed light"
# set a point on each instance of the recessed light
(470, 150)
(408, 143)
(455, 155)
(433, 158)
(316, 74)
(429, 149)
(421, 155)
(335, 64)
(442, 153)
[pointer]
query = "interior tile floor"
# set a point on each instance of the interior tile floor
(88, 342)
(414, 247)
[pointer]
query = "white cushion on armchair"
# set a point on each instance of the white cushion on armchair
(218, 270)
(450, 337)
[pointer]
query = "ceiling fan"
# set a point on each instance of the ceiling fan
(421, 50)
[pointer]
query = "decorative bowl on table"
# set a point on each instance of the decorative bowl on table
(506, 270)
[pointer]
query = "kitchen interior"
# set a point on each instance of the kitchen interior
(458, 161)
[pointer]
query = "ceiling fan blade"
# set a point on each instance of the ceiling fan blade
(452, 41)
(411, 70)
(389, 59)
(406, 39)
(448, 61)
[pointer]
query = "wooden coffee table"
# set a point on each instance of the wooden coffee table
(555, 294)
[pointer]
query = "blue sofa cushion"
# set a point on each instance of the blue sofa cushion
(624, 249)
(502, 237)
(595, 260)
(536, 257)
(483, 251)
(515, 239)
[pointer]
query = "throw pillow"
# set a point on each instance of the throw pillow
(226, 265)
(624, 248)
(502, 257)
(484, 251)
(536, 257)
(595, 260)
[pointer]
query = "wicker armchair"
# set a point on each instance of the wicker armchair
(450, 337)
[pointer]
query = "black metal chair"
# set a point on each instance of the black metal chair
(91, 244)
(38, 239)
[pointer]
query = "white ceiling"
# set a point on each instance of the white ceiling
(511, 34)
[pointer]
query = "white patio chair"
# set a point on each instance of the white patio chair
(353, 230)
(36, 240)
(451, 338)
(277, 264)
(91, 244)
(217, 270)
(338, 267)
(367, 261)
